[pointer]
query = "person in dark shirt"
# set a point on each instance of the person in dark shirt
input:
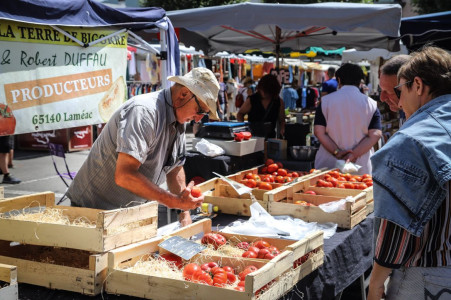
(265, 108)
(330, 85)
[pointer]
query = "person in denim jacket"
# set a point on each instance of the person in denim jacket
(411, 175)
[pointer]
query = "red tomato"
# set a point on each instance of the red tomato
(328, 184)
(262, 253)
(196, 192)
(295, 174)
(214, 239)
(249, 175)
(341, 178)
(358, 178)
(249, 254)
(340, 186)
(282, 172)
(247, 270)
(257, 177)
(279, 164)
(310, 192)
(269, 161)
(279, 179)
(264, 170)
(7, 120)
(231, 277)
(238, 136)
(265, 186)
(335, 174)
(321, 183)
(202, 277)
(241, 283)
(219, 277)
(229, 269)
(251, 183)
(348, 185)
(261, 244)
(246, 135)
(272, 168)
(189, 270)
(361, 186)
(369, 183)
(312, 170)
(269, 256)
(243, 245)
(366, 176)
(254, 249)
(239, 288)
(172, 258)
(287, 179)
(208, 266)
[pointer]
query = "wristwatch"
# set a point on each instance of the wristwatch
(336, 151)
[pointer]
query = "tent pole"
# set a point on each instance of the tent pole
(163, 62)
(278, 34)
(68, 35)
(137, 38)
(107, 37)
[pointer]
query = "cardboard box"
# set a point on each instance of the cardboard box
(234, 148)
(276, 149)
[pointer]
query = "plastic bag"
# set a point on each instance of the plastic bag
(334, 206)
(347, 167)
(263, 224)
(209, 149)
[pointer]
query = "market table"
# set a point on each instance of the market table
(348, 254)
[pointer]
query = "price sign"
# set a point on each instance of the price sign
(184, 248)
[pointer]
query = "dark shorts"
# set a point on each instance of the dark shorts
(6, 143)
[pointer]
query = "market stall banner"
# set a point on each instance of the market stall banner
(50, 82)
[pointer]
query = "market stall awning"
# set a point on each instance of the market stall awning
(89, 13)
(430, 28)
(238, 27)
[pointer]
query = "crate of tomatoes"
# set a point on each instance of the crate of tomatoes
(301, 200)
(342, 184)
(145, 270)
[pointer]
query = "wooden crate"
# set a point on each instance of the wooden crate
(110, 231)
(279, 269)
(354, 212)
(56, 268)
(221, 194)
(8, 274)
(313, 241)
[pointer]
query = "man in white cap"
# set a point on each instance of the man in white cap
(143, 145)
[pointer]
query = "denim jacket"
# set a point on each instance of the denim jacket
(411, 171)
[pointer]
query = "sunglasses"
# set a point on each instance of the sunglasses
(200, 111)
(397, 89)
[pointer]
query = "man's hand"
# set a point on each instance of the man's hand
(187, 201)
(343, 153)
(185, 218)
(350, 157)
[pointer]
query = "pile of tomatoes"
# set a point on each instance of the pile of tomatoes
(259, 249)
(211, 273)
(345, 181)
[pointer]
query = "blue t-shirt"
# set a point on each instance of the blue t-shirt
(330, 86)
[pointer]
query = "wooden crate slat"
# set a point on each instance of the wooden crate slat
(58, 235)
(278, 265)
(309, 243)
(309, 266)
(8, 273)
(58, 277)
(234, 206)
(73, 212)
(18, 203)
(2, 192)
(119, 217)
(131, 235)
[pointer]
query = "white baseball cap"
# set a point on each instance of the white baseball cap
(202, 83)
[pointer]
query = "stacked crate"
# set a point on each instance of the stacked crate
(69, 257)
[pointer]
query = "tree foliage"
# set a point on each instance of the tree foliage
(169, 5)
(431, 6)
